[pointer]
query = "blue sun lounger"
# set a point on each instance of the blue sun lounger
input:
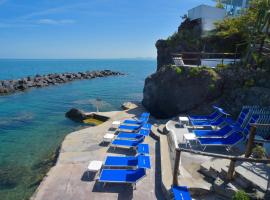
(126, 143)
(143, 132)
(210, 117)
(181, 193)
(234, 138)
(128, 176)
(130, 128)
(139, 161)
(136, 122)
(224, 131)
(134, 128)
(143, 149)
(129, 136)
(145, 114)
(218, 122)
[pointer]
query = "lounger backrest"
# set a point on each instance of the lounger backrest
(140, 140)
(145, 114)
(214, 115)
(137, 175)
(247, 128)
(242, 116)
(226, 129)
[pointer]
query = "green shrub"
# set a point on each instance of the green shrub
(249, 83)
(258, 152)
(194, 71)
(241, 195)
(178, 70)
(221, 66)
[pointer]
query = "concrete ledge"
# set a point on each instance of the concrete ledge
(166, 168)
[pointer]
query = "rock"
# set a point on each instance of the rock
(76, 115)
(128, 105)
(224, 189)
(168, 93)
(9, 86)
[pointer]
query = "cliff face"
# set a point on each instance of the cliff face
(173, 90)
(177, 90)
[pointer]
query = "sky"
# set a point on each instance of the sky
(88, 28)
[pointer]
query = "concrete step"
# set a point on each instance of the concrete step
(213, 168)
(249, 175)
(195, 181)
(255, 174)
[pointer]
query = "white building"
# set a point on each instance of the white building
(208, 15)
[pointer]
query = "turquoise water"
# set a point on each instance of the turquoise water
(32, 123)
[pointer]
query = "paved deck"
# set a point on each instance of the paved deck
(68, 179)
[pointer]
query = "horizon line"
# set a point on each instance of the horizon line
(137, 58)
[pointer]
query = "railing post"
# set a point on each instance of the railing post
(250, 141)
(176, 166)
(231, 170)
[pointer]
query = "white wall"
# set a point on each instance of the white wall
(208, 14)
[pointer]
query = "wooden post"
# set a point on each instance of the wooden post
(250, 141)
(176, 166)
(231, 170)
(222, 60)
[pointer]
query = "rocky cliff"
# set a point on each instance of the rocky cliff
(181, 90)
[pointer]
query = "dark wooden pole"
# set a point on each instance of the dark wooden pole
(231, 170)
(176, 166)
(250, 143)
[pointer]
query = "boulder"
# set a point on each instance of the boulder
(76, 115)
(171, 90)
(128, 105)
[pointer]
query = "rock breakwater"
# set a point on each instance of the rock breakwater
(38, 81)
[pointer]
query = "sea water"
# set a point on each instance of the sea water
(33, 123)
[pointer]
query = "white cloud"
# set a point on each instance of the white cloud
(55, 22)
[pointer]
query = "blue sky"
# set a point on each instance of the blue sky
(87, 28)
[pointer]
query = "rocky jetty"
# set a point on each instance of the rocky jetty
(38, 81)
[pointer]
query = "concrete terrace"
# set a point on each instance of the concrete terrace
(68, 178)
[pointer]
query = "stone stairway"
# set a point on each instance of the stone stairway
(248, 176)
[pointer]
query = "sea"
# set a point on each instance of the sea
(33, 123)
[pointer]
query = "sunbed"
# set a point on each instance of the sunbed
(128, 176)
(126, 143)
(181, 193)
(224, 131)
(234, 138)
(130, 128)
(143, 149)
(140, 121)
(134, 128)
(139, 161)
(212, 116)
(229, 126)
(129, 136)
(217, 122)
(145, 114)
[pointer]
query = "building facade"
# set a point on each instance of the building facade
(208, 15)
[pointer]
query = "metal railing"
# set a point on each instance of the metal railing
(199, 56)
